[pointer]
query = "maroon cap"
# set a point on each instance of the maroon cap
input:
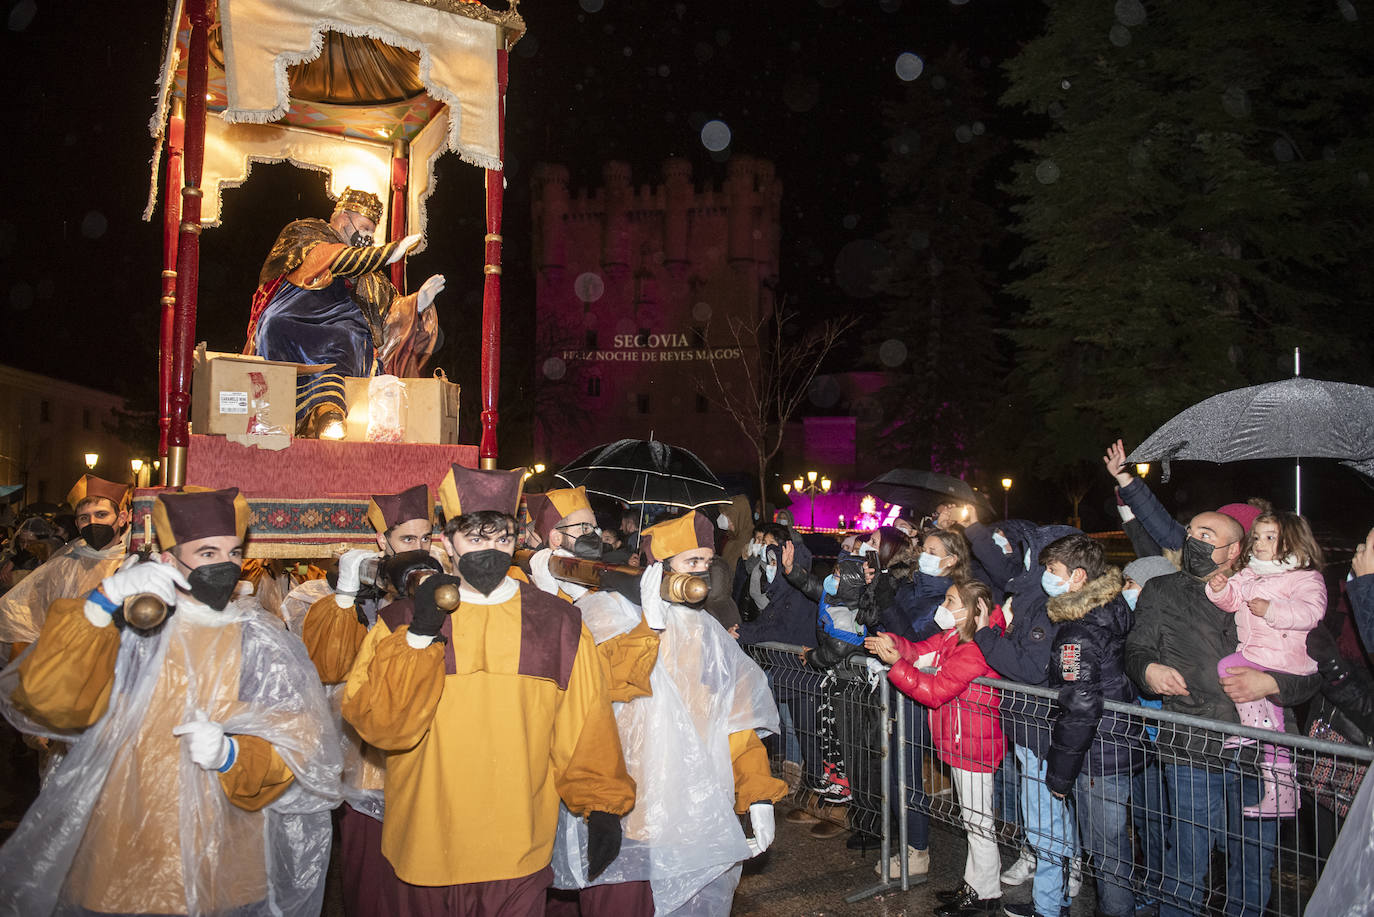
(386, 511)
(470, 490)
(190, 515)
(1243, 513)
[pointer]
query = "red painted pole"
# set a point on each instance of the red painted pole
(400, 178)
(171, 218)
(188, 245)
(491, 291)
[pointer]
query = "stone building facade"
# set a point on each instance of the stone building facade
(643, 297)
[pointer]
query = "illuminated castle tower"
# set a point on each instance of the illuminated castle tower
(637, 294)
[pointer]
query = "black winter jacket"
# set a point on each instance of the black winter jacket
(1177, 625)
(789, 617)
(1087, 667)
(912, 612)
(1347, 691)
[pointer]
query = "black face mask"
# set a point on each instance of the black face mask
(97, 535)
(397, 568)
(213, 584)
(358, 240)
(1197, 558)
(484, 570)
(588, 546)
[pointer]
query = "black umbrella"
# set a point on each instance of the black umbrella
(923, 491)
(638, 471)
(1294, 418)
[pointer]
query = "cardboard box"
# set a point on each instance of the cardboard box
(245, 398)
(431, 410)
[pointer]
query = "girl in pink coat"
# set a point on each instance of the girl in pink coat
(964, 725)
(1277, 597)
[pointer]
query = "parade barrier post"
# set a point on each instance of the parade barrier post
(1183, 806)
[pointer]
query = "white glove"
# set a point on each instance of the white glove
(350, 564)
(765, 827)
(207, 745)
(876, 670)
(406, 245)
(428, 290)
(539, 571)
(655, 611)
(160, 579)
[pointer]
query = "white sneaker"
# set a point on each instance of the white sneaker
(1076, 876)
(1022, 869)
(917, 864)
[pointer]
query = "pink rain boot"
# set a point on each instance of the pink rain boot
(1280, 798)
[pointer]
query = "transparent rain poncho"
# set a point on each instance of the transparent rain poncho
(127, 823)
(364, 767)
(73, 571)
(683, 834)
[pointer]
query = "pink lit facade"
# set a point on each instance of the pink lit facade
(636, 291)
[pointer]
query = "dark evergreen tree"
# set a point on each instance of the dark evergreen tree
(1200, 207)
(935, 335)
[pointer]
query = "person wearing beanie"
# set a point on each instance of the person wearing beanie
(102, 519)
(333, 622)
(692, 745)
(1172, 653)
(491, 715)
(204, 761)
(323, 297)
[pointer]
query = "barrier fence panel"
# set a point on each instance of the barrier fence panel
(1198, 816)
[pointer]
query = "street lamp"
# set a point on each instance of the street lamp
(137, 466)
(787, 487)
(810, 487)
(1142, 468)
(91, 459)
(1006, 497)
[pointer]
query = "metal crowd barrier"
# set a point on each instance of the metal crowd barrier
(1168, 828)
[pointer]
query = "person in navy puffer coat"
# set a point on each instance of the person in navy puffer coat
(1092, 753)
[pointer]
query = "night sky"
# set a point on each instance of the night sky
(800, 82)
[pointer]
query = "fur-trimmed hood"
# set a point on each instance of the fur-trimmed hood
(1072, 606)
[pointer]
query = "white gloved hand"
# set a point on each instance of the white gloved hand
(539, 571)
(428, 290)
(762, 819)
(207, 745)
(406, 245)
(132, 579)
(655, 611)
(350, 565)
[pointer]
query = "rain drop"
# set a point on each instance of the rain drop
(555, 368)
(1347, 10)
(1130, 12)
(1064, 84)
(892, 353)
(909, 66)
(979, 128)
(715, 136)
(22, 13)
(1047, 173)
(94, 224)
(701, 312)
(1119, 35)
(963, 133)
(589, 287)
(1236, 101)
(627, 51)
(591, 6)
(1283, 150)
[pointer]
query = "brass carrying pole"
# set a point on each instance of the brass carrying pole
(681, 588)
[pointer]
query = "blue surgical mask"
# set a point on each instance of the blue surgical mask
(1130, 595)
(831, 585)
(1052, 584)
(928, 564)
(1001, 541)
(771, 571)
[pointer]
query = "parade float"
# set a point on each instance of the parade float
(370, 93)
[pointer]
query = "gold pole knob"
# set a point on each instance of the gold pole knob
(145, 611)
(446, 597)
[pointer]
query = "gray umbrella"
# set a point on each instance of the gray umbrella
(1294, 418)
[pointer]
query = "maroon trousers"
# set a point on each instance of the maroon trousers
(622, 899)
(371, 887)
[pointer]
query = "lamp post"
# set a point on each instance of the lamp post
(1142, 468)
(1006, 497)
(91, 459)
(810, 486)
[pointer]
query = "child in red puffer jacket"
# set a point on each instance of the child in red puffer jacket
(964, 724)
